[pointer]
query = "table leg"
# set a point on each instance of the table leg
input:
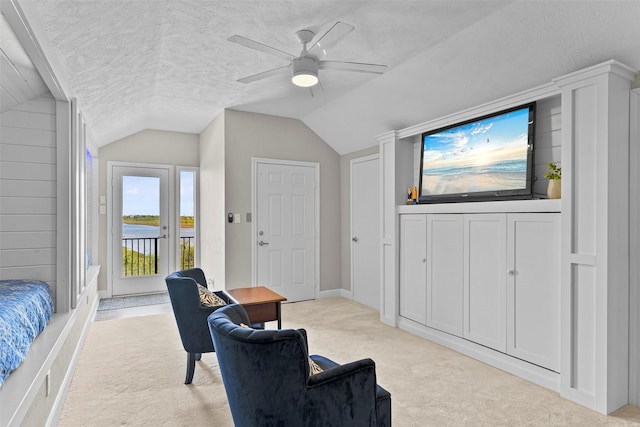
(279, 312)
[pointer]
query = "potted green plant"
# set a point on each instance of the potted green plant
(554, 175)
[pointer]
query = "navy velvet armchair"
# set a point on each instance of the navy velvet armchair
(191, 316)
(267, 379)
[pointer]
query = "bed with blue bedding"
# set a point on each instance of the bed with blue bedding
(25, 309)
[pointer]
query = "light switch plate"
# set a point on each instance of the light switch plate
(237, 218)
(103, 200)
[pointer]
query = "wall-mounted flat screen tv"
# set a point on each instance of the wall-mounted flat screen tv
(487, 158)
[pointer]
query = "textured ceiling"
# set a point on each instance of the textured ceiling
(167, 64)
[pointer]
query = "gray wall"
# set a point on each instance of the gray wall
(248, 135)
(148, 146)
(345, 213)
(212, 205)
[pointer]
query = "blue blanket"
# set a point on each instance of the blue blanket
(25, 310)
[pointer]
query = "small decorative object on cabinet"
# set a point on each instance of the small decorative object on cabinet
(554, 176)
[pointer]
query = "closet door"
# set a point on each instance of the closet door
(485, 279)
(533, 288)
(445, 281)
(413, 267)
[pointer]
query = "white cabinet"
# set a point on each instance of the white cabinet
(490, 278)
(485, 279)
(444, 273)
(594, 282)
(533, 291)
(413, 267)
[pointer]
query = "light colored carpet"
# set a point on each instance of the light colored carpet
(131, 372)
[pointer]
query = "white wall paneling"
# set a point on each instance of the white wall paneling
(548, 141)
(28, 192)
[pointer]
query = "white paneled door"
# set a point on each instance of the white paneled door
(365, 230)
(285, 228)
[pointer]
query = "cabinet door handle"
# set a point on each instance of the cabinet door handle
(424, 260)
(512, 272)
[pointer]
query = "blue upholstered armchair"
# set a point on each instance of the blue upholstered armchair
(191, 316)
(267, 379)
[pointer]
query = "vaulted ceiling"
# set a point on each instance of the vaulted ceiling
(167, 64)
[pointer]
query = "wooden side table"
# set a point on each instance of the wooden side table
(262, 304)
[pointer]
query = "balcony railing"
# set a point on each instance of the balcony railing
(140, 255)
(187, 253)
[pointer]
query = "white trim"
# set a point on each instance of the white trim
(77, 232)
(634, 249)
(507, 206)
(63, 207)
(536, 94)
(254, 202)
(335, 293)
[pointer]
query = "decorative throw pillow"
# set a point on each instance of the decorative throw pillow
(208, 298)
(314, 368)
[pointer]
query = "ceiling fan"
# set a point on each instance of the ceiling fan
(304, 68)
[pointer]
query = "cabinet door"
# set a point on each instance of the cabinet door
(485, 279)
(445, 281)
(533, 291)
(413, 267)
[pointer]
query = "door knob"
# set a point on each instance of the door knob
(355, 239)
(261, 243)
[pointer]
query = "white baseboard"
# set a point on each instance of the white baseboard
(335, 293)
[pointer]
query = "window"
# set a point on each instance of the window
(187, 214)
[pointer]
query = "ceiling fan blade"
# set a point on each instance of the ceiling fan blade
(328, 39)
(265, 74)
(251, 44)
(358, 67)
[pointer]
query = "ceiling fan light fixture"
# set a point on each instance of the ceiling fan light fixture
(304, 72)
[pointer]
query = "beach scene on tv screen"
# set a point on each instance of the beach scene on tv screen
(486, 155)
